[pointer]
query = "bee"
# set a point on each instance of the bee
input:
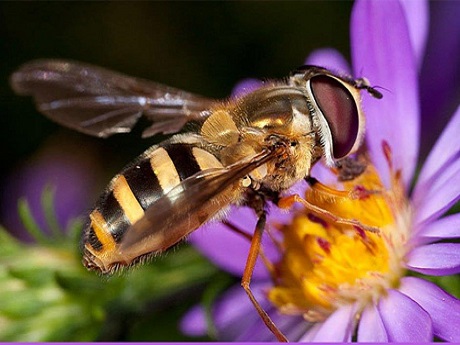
(244, 151)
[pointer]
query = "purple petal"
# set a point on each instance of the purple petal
(329, 58)
(323, 174)
(440, 196)
(404, 319)
(246, 86)
(229, 250)
(447, 227)
(71, 177)
(435, 259)
(338, 327)
(299, 188)
(293, 327)
(417, 16)
(371, 327)
(233, 314)
(278, 217)
(194, 322)
(311, 333)
(382, 52)
(236, 319)
(446, 147)
(440, 76)
(442, 307)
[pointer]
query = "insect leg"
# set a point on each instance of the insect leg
(358, 192)
(323, 189)
(350, 168)
(232, 227)
(247, 275)
(287, 202)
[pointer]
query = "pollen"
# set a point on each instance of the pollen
(353, 257)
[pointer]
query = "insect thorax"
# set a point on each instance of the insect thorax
(252, 123)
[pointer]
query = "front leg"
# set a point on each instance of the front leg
(247, 275)
(350, 168)
(257, 202)
(288, 201)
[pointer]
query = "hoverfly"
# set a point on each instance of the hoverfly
(245, 152)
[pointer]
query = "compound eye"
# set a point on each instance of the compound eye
(340, 110)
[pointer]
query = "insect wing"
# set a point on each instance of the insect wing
(186, 207)
(100, 102)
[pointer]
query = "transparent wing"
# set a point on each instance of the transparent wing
(186, 207)
(100, 102)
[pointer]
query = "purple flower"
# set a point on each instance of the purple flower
(72, 178)
(331, 283)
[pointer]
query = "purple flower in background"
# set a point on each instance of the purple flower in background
(72, 177)
(329, 282)
(440, 71)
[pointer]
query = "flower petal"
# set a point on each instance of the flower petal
(440, 196)
(446, 147)
(296, 329)
(338, 327)
(324, 174)
(435, 259)
(236, 319)
(329, 58)
(311, 333)
(447, 227)
(229, 250)
(417, 14)
(371, 327)
(233, 314)
(404, 319)
(442, 307)
(377, 28)
(194, 322)
(440, 75)
(51, 167)
(246, 86)
(293, 327)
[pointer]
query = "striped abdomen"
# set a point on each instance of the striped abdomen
(130, 193)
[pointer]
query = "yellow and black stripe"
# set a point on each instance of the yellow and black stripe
(136, 188)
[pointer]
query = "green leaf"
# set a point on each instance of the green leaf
(31, 275)
(8, 244)
(29, 222)
(74, 229)
(451, 284)
(47, 203)
(221, 282)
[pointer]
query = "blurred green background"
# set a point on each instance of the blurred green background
(203, 47)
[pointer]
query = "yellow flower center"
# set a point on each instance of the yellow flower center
(326, 263)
